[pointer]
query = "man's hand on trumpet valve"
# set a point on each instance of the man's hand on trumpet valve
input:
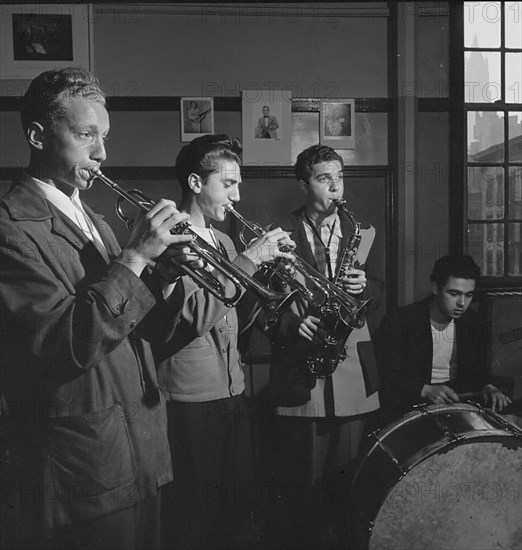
(151, 236)
(267, 247)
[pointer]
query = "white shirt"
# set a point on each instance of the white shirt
(444, 366)
(206, 234)
(328, 238)
(73, 209)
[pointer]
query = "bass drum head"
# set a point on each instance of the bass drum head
(467, 496)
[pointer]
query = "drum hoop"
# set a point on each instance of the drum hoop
(380, 435)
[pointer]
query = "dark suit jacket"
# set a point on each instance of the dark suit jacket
(404, 349)
(85, 422)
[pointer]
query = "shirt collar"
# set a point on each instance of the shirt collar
(328, 222)
(58, 198)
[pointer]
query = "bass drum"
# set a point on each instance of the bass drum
(441, 477)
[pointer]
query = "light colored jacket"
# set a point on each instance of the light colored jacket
(355, 381)
(203, 363)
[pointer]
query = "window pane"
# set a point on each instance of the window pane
(485, 136)
(513, 15)
(513, 77)
(515, 249)
(486, 193)
(486, 246)
(515, 192)
(515, 136)
(482, 77)
(482, 24)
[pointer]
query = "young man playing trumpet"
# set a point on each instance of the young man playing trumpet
(320, 420)
(201, 374)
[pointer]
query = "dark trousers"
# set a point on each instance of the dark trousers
(135, 528)
(208, 503)
(312, 462)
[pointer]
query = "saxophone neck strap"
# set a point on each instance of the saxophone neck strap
(326, 247)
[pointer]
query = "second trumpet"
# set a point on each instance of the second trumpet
(273, 302)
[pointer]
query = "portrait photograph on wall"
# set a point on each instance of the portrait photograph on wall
(197, 117)
(337, 123)
(266, 126)
(36, 38)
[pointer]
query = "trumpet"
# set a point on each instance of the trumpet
(321, 289)
(273, 302)
(340, 311)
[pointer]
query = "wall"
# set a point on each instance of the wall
(422, 143)
(311, 50)
(174, 50)
(203, 54)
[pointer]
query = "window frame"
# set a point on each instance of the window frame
(459, 161)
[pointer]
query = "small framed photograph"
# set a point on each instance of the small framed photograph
(267, 127)
(197, 117)
(39, 37)
(337, 123)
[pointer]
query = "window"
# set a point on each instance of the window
(493, 130)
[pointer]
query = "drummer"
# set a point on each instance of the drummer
(435, 349)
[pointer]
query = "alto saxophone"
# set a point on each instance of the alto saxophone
(338, 314)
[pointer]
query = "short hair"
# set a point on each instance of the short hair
(312, 156)
(42, 100)
(460, 267)
(202, 155)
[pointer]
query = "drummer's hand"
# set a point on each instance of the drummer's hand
(494, 398)
(438, 394)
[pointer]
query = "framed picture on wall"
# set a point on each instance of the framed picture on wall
(266, 125)
(39, 37)
(197, 117)
(337, 123)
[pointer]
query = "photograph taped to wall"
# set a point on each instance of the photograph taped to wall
(266, 127)
(39, 37)
(197, 117)
(338, 123)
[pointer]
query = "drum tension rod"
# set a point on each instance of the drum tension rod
(388, 451)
